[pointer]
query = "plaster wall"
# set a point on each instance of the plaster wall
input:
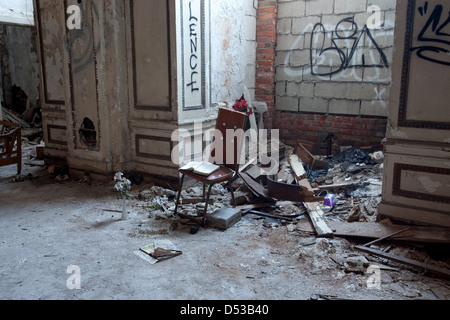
(17, 12)
(230, 57)
(23, 64)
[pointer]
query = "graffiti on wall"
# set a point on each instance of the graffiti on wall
(434, 37)
(349, 47)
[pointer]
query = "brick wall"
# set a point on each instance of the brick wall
(333, 69)
(266, 37)
(315, 128)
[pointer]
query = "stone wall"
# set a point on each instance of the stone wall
(333, 58)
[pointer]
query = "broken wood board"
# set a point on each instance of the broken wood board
(297, 167)
(309, 159)
(310, 201)
(10, 116)
(321, 188)
(255, 187)
(421, 265)
(368, 230)
(255, 206)
(285, 175)
(318, 219)
(300, 192)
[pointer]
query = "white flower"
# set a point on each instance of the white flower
(118, 186)
(118, 176)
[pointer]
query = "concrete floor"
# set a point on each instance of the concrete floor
(46, 226)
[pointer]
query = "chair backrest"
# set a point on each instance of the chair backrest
(229, 138)
(10, 136)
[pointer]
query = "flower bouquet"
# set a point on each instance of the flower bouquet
(241, 105)
(123, 185)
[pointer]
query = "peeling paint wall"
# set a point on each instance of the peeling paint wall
(23, 63)
(19, 12)
(233, 49)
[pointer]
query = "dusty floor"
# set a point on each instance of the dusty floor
(47, 226)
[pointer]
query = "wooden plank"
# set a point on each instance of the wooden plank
(423, 266)
(318, 219)
(255, 206)
(309, 159)
(369, 230)
(257, 188)
(315, 212)
(297, 167)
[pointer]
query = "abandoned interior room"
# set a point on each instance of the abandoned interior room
(224, 150)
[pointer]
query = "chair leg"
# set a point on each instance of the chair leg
(179, 195)
(232, 193)
(206, 205)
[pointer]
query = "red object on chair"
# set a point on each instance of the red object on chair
(230, 124)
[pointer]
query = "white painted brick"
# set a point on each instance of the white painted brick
(344, 106)
(306, 89)
(361, 91)
(280, 88)
(304, 25)
(389, 20)
(300, 58)
(319, 7)
(330, 90)
(377, 75)
(331, 22)
(302, 89)
(287, 103)
(384, 38)
(289, 74)
(291, 9)
(292, 88)
(350, 75)
(319, 76)
(383, 4)
(284, 26)
(282, 58)
(352, 6)
(314, 105)
(375, 108)
(290, 42)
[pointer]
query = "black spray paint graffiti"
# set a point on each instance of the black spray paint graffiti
(436, 33)
(345, 41)
(193, 61)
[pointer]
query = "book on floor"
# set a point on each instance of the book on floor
(202, 168)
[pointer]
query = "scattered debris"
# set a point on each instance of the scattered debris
(159, 250)
(357, 264)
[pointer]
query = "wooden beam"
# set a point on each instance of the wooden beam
(315, 212)
(318, 219)
(423, 266)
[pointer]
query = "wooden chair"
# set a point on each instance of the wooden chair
(229, 166)
(10, 145)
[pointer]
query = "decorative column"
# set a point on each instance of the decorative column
(417, 148)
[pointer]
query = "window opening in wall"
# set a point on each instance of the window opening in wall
(88, 134)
